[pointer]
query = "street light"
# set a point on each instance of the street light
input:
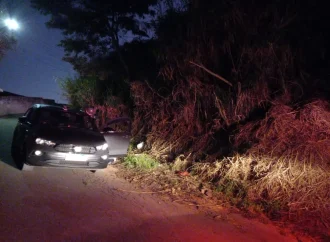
(11, 24)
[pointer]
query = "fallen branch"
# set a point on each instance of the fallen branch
(212, 73)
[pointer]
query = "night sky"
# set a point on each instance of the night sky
(34, 67)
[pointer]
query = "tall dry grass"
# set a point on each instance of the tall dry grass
(303, 133)
(300, 189)
(211, 86)
(199, 103)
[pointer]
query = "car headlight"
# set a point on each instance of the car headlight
(102, 147)
(40, 141)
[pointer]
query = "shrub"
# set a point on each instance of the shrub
(140, 161)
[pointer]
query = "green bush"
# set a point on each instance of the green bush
(140, 161)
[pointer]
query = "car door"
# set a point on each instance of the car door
(117, 134)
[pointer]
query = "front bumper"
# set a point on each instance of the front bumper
(51, 158)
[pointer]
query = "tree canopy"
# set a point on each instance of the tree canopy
(247, 42)
(96, 28)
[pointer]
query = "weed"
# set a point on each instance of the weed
(234, 191)
(273, 209)
(130, 148)
(181, 163)
(140, 161)
(255, 207)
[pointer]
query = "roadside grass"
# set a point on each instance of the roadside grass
(283, 172)
(276, 186)
(284, 190)
(140, 161)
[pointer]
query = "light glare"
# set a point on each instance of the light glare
(77, 149)
(105, 146)
(11, 24)
(102, 147)
(40, 141)
(38, 153)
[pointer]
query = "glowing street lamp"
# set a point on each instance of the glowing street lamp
(11, 24)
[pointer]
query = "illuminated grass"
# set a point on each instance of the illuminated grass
(277, 186)
(140, 161)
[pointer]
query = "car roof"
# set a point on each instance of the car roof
(56, 107)
(47, 106)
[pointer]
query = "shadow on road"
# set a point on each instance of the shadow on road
(7, 126)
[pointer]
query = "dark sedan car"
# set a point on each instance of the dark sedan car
(54, 136)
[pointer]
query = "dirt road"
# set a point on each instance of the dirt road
(77, 205)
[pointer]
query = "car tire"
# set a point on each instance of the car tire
(98, 171)
(14, 152)
(23, 158)
(114, 160)
(17, 156)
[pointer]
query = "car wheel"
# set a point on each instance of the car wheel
(113, 160)
(98, 171)
(18, 158)
(14, 152)
(25, 167)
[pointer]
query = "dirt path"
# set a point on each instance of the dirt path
(77, 205)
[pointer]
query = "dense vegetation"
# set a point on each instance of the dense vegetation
(239, 88)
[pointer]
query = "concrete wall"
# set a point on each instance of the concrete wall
(19, 104)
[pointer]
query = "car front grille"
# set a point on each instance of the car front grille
(65, 163)
(70, 148)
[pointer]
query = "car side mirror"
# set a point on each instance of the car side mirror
(22, 119)
(118, 125)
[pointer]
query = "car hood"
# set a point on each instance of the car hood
(70, 135)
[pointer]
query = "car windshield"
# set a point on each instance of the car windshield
(61, 118)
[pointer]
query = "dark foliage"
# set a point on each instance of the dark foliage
(92, 29)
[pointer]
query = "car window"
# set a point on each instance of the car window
(31, 115)
(61, 118)
(27, 112)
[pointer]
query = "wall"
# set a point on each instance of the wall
(19, 104)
